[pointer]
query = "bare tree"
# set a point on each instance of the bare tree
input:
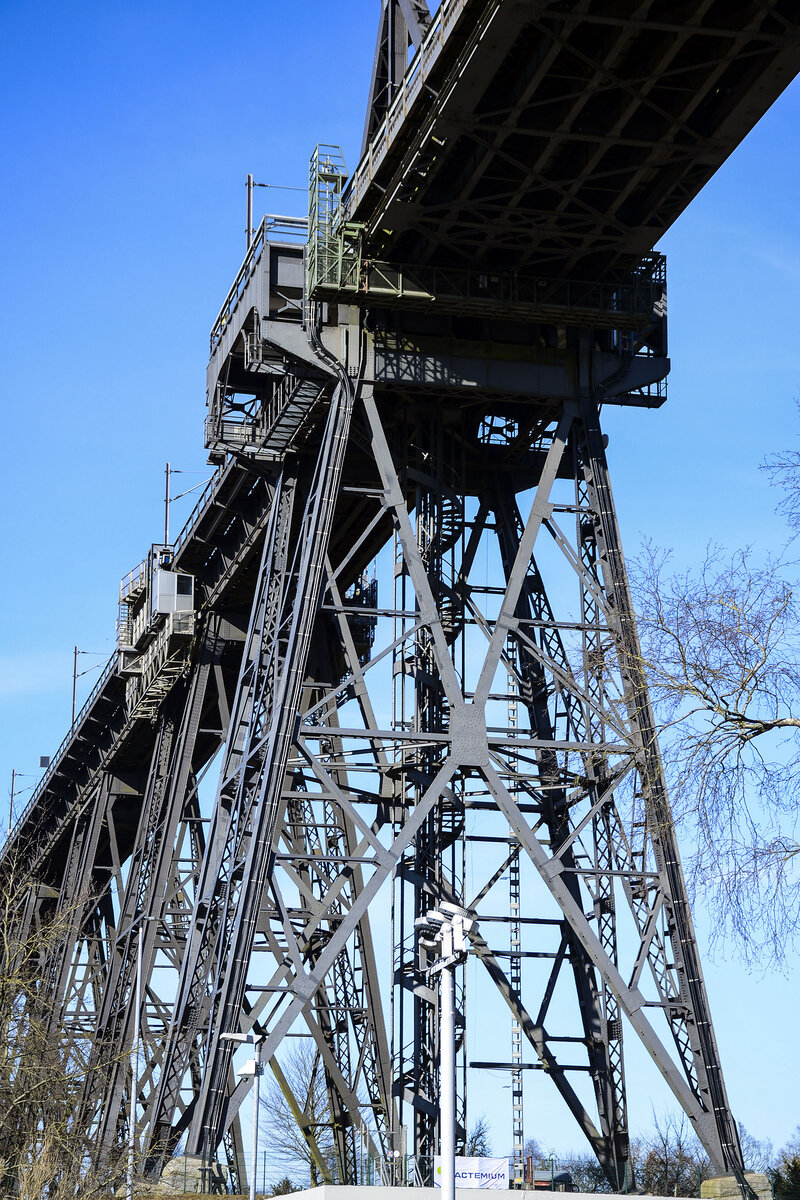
(784, 472)
(479, 1143)
(669, 1157)
(670, 1160)
(42, 1071)
(296, 1122)
(722, 646)
(757, 1155)
(585, 1171)
(533, 1150)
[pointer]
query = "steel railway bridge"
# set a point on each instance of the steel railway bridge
(395, 644)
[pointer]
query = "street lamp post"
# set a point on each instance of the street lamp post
(256, 1040)
(443, 932)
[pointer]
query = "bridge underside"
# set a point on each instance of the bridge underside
(565, 137)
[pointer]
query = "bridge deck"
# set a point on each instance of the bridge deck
(566, 135)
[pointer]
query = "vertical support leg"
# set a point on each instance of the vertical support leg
(691, 1025)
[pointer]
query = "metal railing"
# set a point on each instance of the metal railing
(237, 288)
(207, 494)
(133, 580)
(403, 1170)
(620, 303)
(110, 668)
(230, 434)
(162, 657)
(80, 717)
(629, 303)
(125, 628)
(272, 223)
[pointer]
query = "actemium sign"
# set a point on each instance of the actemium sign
(490, 1173)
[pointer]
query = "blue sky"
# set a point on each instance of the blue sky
(129, 129)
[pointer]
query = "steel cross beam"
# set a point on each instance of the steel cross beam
(248, 811)
(148, 904)
(485, 156)
(601, 1035)
(402, 23)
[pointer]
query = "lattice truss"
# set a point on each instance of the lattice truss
(442, 600)
(439, 681)
(404, 735)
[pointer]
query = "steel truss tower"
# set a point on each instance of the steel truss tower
(440, 649)
(392, 660)
(429, 558)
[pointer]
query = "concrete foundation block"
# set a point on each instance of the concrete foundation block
(725, 1187)
(186, 1175)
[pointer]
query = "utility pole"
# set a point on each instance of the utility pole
(11, 804)
(75, 654)
(75, 677)
(167, 473)
(249, 229)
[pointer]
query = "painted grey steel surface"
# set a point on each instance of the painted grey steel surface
(413, 663)
(563, 137)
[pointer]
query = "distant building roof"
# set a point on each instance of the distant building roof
(544, 1178)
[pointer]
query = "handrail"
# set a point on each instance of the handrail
(131, 580)
(289, 226)
(41, 787)
(249, 262)
(270, 222)
(627, 302)
(208, 491)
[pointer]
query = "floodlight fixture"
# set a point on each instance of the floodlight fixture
(249, 1039)
(252, 1069)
